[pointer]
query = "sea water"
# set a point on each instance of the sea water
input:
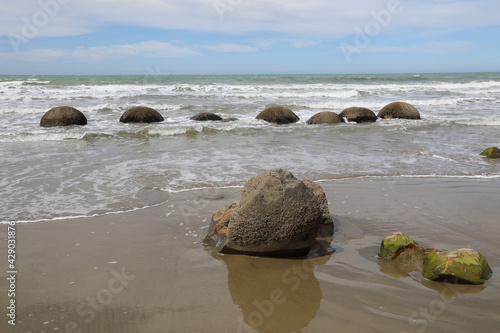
(107, 166)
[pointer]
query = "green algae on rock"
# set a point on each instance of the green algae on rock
(461, 266)
(492, 152)
(411, 255)
(399, 245)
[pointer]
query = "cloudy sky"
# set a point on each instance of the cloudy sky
(248, 36)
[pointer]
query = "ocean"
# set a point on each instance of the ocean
(108, 167)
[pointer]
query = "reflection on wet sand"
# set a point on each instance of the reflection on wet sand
(274, 295)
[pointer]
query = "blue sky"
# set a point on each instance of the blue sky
(248, 36)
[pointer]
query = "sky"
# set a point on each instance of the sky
(201, 37)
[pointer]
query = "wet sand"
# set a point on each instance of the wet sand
(147, 271)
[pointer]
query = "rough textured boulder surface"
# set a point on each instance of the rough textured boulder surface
(278, 115)
(326, 117)
(204, 116)
(141, 114)
(399, 110)
(359, 115)
(277, 216)
(63, 116)
(461, 266)
(326, 228)
(398, 246)
(492, 152)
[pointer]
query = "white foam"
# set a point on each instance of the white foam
(41, 136)
(105, 165)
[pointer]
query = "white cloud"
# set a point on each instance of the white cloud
(318, 18)
(151, 49)
(436, 47)
(443, 47)
(304, 43)
(261, 44)
(229, 47)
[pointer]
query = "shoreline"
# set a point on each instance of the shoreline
(169, 193)
(147, 271)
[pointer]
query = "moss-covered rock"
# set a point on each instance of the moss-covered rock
(460, 266)
(412, 254)
(394, 245)
(492, 152)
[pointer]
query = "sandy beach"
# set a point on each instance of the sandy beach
(147, 271)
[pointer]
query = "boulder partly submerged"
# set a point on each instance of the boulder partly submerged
(461, 266)
(399, 110)
(278, 115)
(277, 215)
(359, 115)
(326, 117)
(63, 116)
(492, 152)
(206, 116)
(141, 114)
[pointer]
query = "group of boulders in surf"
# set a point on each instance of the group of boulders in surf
(279, 215)
(283, 115)
(67, 115)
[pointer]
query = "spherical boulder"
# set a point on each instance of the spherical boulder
(63, 116)
(326, 117)
(359, 115)
(276, 216)
(278, 115)
(141, 114)
(204, 116)
(399, 110)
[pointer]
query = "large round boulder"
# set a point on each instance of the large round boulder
(399, 110)
(141, 114)
(278, 115)
(326, 117)
(204, 116)
(359, 115)
(63, 116)
(276, 216)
